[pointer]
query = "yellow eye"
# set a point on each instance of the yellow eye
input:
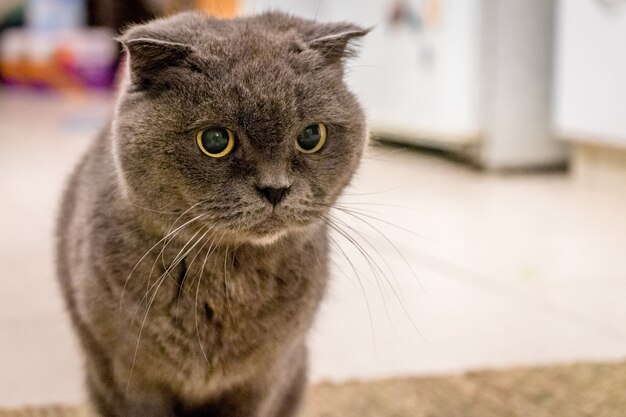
(312, 138)
(216, 141)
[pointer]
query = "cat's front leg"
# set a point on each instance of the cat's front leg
(108, 400)
(278, 396)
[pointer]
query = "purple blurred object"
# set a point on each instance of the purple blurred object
(83, 58)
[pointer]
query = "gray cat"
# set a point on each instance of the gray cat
(193, 248)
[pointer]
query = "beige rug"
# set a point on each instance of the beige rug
(583, 390)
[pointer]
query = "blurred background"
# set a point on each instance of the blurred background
(491, 202)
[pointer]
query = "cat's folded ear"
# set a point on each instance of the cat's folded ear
(149, 57)
(335, 41)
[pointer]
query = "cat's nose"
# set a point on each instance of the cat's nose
(273, 195)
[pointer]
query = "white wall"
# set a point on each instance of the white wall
(590, 76)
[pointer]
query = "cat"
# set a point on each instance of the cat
(193, 235)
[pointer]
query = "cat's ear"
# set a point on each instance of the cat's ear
(148, 57)
(336, 41)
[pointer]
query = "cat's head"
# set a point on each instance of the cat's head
(245, 122)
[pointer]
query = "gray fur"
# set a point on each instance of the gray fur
(212, 320)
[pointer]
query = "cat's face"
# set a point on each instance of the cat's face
(246, 123)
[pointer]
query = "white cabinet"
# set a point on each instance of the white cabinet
(590, 72)
(418, 83)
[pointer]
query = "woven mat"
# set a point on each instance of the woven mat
(583, 390)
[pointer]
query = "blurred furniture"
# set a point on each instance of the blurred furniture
(590, 86)
(55, 50)
(69, 60)
(117, 14)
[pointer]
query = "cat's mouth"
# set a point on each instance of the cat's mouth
(266, 230)
(266, 225)
(270, 223)
(272, 226)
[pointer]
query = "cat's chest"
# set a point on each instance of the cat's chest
(247, 297)
(213, 319)
(242, 284)
(233, 305)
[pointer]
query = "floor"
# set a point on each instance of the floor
(575, 390)
(466, 270)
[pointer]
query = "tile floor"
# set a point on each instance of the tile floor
(483, 270)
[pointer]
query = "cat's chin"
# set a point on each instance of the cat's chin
(268, 239)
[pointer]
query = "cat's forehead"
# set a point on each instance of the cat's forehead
(221, 36)
(256, 42)
(266, 72)
(269, 35)
(253, 46)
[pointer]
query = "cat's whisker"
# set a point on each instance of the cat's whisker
(182, 282)
(361, 213)
(161, 254)
(217, 228)
(160, 281)
(317, 258)
(176, 258)
(171, 235)
(383, 150)
(333, 222)
(227, 296)
(397, 295)
(364, 203)
(148, 252)
(388, 190)
(351, 67)
(185, 212)
(219, 8)
(361, 235)
(208, 230)
(217, 225)
(226, 290)
(344, 273)
(210, 250)
(357, 215)
(374, 267)
(151, 210)
(167, 271)
(361, 286)
(317, 9)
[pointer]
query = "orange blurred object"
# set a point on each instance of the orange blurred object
(432, 13)
(219, 8)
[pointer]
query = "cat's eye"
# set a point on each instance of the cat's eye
(216, 141)
(312, 138)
